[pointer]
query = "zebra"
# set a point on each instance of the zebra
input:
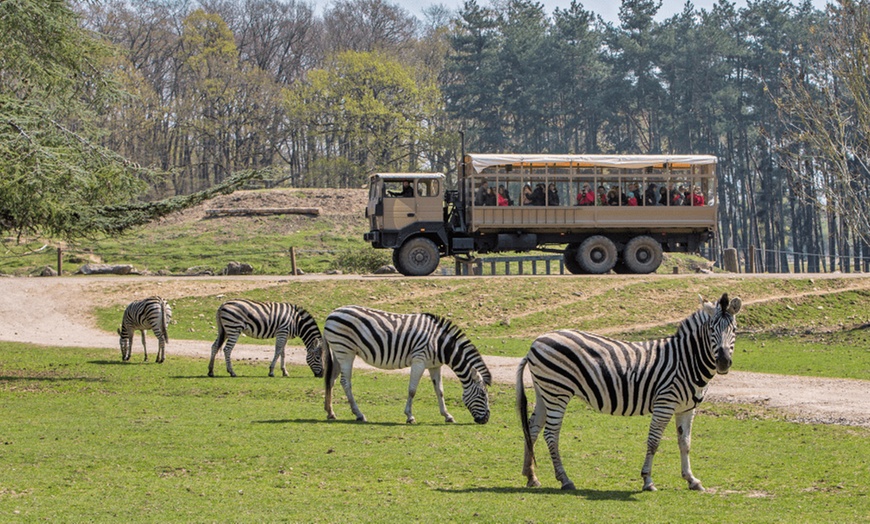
(393, 341)
(152, 313)
(663, 377)
(277, 320)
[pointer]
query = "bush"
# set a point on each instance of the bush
(363, 259)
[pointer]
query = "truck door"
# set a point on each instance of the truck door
(429, 201)
(400, 208)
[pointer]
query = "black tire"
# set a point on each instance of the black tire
(418, 257)
(597, 255)
(642, 255)
(397, 262)
(570, 259)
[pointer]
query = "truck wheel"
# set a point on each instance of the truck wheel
(418, 257)
(570, 258)
(597, 255)
(642, 255)
(397, 262)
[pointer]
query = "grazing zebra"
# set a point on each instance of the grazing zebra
(277, 320)
(152, 313)
(391, 341)
(664, 378)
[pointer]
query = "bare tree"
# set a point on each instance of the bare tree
(369, 25)
(827, 110)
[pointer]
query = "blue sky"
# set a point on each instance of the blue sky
(608, 9)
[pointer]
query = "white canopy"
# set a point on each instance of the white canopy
(406, 176)
(482, 161)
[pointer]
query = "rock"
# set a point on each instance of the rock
(334, 272)
(236, 268)
(198, 271)
(389, 269)
(48, 271)
(105, 269)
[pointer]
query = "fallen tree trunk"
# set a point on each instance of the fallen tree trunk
(261, 211)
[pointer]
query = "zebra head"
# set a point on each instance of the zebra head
(314, 357)
(475, 397)
(723, 327)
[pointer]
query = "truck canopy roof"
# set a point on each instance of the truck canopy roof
(405, 176)
(481, 161)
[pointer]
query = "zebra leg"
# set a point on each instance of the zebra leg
(684, 438)
(280, 343)
(660, 418)
(435, 375)
(228, 349)
(214, 349)
(145, 349)
(555, 411)
(161, 348)
(536, 422)
(331, 372)
(417, 368)
(346, 371)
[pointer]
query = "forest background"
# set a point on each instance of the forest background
(188, 94)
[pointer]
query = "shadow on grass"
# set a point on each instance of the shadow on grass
(324, 421)
(238, 378)
(588, 494)
(149, 362)
(47, 378)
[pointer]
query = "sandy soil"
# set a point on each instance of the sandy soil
(52, 311)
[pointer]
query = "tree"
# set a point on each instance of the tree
(365, 108)
(57, 179)
(827, 110)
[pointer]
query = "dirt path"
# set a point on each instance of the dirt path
(53, 311)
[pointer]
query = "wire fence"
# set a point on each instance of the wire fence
(749, 259)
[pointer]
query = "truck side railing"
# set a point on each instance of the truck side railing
(513, 265)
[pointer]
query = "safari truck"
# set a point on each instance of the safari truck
(601, 212)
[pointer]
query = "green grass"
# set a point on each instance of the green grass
(502, 316)
(87, 438)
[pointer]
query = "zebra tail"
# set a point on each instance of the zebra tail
(163, 321)
(523, 411)
(328, 365)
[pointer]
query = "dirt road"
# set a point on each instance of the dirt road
(54, 311)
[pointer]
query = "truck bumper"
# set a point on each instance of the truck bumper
(372, 236)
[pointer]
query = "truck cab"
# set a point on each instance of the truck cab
(406, 213)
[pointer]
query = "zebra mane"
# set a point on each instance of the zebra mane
(698, 317)
(450, 328)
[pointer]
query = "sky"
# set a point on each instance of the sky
(608, 9)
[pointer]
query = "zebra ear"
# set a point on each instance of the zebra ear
(708, 308)
(734, 306)
(485, 376)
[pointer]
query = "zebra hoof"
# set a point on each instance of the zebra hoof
(533, 483)
(411, 420)
(271, 374)
(330, 416)
(696, 486)
(449, 419)
(361, 418)
(211, 373)
(650, 487)
(568, 486)
(233, 375)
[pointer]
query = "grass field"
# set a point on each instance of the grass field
(797, 326)
(87, 438)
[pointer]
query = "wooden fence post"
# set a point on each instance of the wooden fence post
(730, 260)
(59, 261)
(293, 260)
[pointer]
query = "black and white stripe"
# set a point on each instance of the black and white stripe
(152, 313)
(665, 378)
(393, 341)
(277, 320)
